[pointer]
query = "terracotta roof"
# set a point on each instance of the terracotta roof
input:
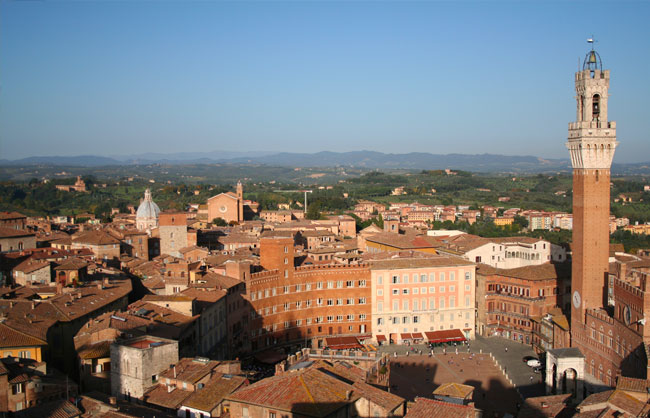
(101, 349)
(428, 408)
(10, 232)
(161, 396)
(454, 390)
(404, 241)
(411, 263)
(167, 298)
(61, 408)
(31, 264)
(10, 337)
(631, 384)
(73, 263)
(192, 248)
(617, 399)
(546, 406)
(308, 392)
(217, 388)
(4, 215)
(216, 280)
(190, 370)
(545, 271)
(386, 400)
(95, 238)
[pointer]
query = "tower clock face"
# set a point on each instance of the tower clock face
(627, 315)
(576, 299)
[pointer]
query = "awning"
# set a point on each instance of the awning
(270, 357)
(381, 338)
(405, 336)
(417, 336)
(342, 343)
(445, 336)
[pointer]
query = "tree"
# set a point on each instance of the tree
(313, 212)
(219, 222)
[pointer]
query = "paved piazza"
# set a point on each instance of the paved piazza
(418, 375)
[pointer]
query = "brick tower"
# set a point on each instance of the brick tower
(591, 144)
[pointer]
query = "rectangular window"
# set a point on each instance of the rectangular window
(330, 318)
(405, 278)
(452, 301)
(452, 276)
(308, 286)
(467, 301)
(286, 289)
(339, 301)
(416, 290)
(362, 301)
(432, 277)
(468, 275)
(467, 288)
(442, 289)
(415, 305)
(423, 290)
(330, 284)
(298, 288)
(416, 319)
(395, 291)
(432, 303)
(362, 283)
(380, 321)
(380, 292)
(395, 279)
(405, 291)
(319, 285)
(330, 302)
(380, 280)
(452, 288)
(339, 284)
(380, 306)
(423, 278)
(432, 290)
(441, 302)
(405, 305)
(396, 305)
(362, 317)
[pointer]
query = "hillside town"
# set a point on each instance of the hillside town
(241, 306)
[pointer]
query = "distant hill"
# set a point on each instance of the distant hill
(80, 160)
(359, 159)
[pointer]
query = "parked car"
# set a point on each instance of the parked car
(528, 358)
(534, 363)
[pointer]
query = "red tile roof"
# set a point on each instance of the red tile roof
(308, 392)
(429, 408)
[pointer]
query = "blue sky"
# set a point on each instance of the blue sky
(123, 77)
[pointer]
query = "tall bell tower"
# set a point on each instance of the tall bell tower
(591, 144)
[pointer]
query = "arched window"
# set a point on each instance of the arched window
(21, 246)
(595, 108)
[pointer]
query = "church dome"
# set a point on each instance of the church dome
(148, 208)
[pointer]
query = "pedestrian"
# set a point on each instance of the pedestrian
(395, 354)
(506, 349)
(531, 379)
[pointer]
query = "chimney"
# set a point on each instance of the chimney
(11, 304)
(112, 400)
(59, 288)
(348, 395)
(174, 371)
(100, 286)
(544, 405)
(33, 305)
